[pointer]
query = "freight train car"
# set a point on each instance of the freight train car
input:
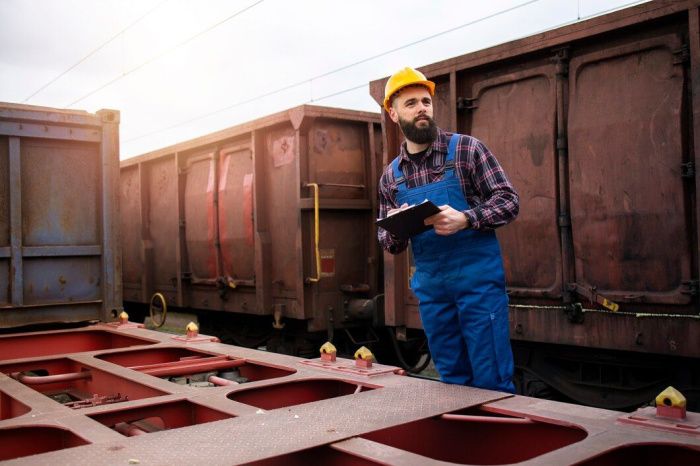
(274, 217)
(59, 243)
(598, 126)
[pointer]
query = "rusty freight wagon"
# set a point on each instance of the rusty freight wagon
(597, 125)
(274, 217)
(59, 249)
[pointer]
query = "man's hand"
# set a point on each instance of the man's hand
(448, 222)
(396, 211)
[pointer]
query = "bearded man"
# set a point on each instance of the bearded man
(459, 276)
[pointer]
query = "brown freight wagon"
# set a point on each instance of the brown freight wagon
(271, 217)
(59, 243)
(597, 125)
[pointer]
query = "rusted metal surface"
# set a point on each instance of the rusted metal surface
(596, 127)
(59, 249)
(694, 114)
(224, 222)
(287, 411)
(628, 217)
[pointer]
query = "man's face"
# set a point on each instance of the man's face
(412, 109)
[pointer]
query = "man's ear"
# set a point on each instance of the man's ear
(393, 114)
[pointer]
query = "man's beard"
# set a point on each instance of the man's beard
(418, 135)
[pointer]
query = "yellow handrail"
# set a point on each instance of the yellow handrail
(316, 234)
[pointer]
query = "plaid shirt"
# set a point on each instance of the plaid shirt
(490, 195)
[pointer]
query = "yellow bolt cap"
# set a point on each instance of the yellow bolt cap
(671, 397)
(364, 354)
(328, 348)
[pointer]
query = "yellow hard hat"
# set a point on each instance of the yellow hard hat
(402, 78)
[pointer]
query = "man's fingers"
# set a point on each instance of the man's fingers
(442, 230)
(432, 220)
(397, 210)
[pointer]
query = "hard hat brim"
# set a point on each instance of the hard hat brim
(428, 84)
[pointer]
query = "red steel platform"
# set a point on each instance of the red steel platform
(125, 395)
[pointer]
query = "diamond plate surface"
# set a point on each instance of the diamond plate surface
(254, 434)
(266, 434)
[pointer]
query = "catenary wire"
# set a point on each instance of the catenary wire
(345, 67)
(162, 54)
(344, 91)
(94, 51)
(450, 30)
(334, 71)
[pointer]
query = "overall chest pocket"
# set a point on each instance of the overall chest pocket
(437, 193)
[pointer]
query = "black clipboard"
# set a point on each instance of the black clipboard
(409, 222)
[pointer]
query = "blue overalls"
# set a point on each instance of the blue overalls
(460, 283)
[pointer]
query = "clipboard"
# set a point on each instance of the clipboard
(409, 222)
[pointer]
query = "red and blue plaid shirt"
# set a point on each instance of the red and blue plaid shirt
(492, 198)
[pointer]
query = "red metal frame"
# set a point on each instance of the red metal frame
(309, 412)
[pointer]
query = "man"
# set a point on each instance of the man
(459, 276)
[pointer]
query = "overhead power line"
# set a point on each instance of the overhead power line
(334, 71)
(93, 52)
(566, 23)
(365, 60)
(344, 91)
(162, 54)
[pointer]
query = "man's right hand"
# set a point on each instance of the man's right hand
(396, 211)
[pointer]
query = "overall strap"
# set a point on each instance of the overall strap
(452, 148)
(399, 179)
(450, 159)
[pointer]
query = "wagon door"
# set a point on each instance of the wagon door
(629, 213)
(201, 218)
(514, 113)
(235, 211)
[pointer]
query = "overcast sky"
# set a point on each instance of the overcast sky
(177, 69)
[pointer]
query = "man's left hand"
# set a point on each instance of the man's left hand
(448, 222)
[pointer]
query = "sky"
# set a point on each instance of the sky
(179, 69)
